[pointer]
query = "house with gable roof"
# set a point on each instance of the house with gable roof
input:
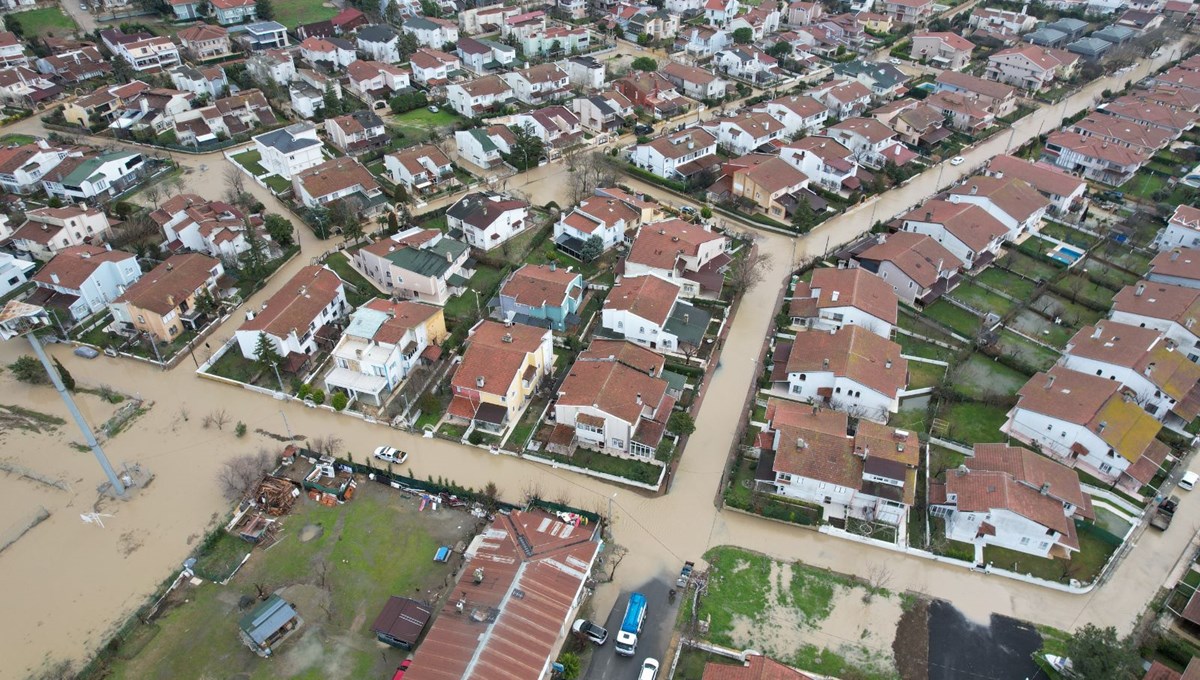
(1182, 230)
(163, 301)
(501, 369)
(82, 280)
(488, 219)
(919, 269)
(417, 264)
(848, 368)
(384, 341)
(945, 50)
(965, 229)
(294, 316)
(678, 154)
(647, 310)
(742, 134)
(1089, 422)
(1178, 267)
(485, 147)
(604, 217)
(840, 297)
(541, 295)
(290, 150)
(212, 227)
(422, 169)
(688, 255)
(1016, 204)
(1064, 191)
(826, 161)
(1174, 310)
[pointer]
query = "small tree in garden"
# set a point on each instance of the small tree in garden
(681, 423)
(339, 401)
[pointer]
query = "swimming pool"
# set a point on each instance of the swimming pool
(1066, 255)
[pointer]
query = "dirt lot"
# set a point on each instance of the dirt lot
(337, 566)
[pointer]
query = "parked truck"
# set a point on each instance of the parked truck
(631, 625)
(1164, 512)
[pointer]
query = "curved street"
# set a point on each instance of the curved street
(102, 580)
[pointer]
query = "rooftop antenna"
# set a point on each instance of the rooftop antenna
(20, 318)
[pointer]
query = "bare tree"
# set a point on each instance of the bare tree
(618, 554)
(688, 349)
(747, 271)
(532, 492)
(153, 192)
(238, 476)
(589, 172)
(235, 182)
(878, 578)
(327, 445)
(218, 419)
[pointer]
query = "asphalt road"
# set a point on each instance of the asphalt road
(656, 634)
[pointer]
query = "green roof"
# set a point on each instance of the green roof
(85, 170)
(675, 381)
(691, 330)
(431, 261)
(482, 137)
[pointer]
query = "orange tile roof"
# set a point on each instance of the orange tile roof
(496, 353)
(403, 316)
(537, 285)
(1014, 196)
(615, 389)
(169, 284)
(628, 353)
(297, 303)
(1041, 176)
(76, 264)
(1060, 481)
(854, 353)
(659, 244)
(984, 491)
(1160, 301)
(649, 297)
(917, 255)
(756, 668)
(856, 288)
(1182, 263)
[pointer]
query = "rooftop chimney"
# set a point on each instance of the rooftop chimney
(1045, 490)
(1174, 255)
(54, 278)
(553, 266)
(887, 363)
(800, 443)
(1049, 380)
(825, 363)
(1141, 288)
(974, 189)
(639, 399)
(507, 338)
(479, 381)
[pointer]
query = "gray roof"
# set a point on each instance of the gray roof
(265, 27)
(1090, 46)
(689, 330)
(267, 618)
(376, 33)
(285, 140)
(885, 75)
(420, 24)
(1069, 25)
(1045, 36)
(1115, 34)
(431, 261)
(340, 43)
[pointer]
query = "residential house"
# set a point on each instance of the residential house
(843, 98)
(228, 12)
(162, 302)
(316, 29)
(873, 143)
(542, 295)
(335, 53)
(718, 12)
(962, 112)
(518, 26)
(947, 51)
(484, 147)
(356, 133)
(27, 89)
(695, 82)
(538, 85)
(1123, 132)
(207, 82)
(501, 369)
(419, 264)
(1064, 191)
(605, 218)
(607, 405)
(14, 273)
(375, 82)
(348, 20)
(431, 31)
(920, 125)
(556, 41)
(1182, 230)
(684, 153)
(486, 19)
(1012, 498)
(204, 41)
(290, 150)
(999, 23)
(768, 183)
(477, 97)
(918, 268)
(1030, 67)
(339, 179)
(965, 229)
(82, 280)
(884, 80)
(420, 169)
(212, 227)
(554, 125)
(847, 369)
(384, 341)
(1046, 37)
(702, 41)
(1141, 21)
(826, 161)
(75, 65)
(741, 134)
(94, 177)
(12, 50)
(756, 666)
(748, 63)
(186, 10)
(908, 11)
(688, 255)
(483, 56)
(1016, 204)
(1000, 98)
(1093, 157)
(433, 68)
(1179, 267)
(307, 90)
(379, 43)
(293, 318)
(1174, 310)
(150, 53)
(153, 110)
(605, 111)
(654, 93)
(488, 219)
(1091, 49)
(533, 570)
(648, 311)
(840, 297)
(1086, 421)
(272, 66)
(1174, 120)
(797, 113)
(802, 13)
(47, 231)
(23, 167)
(1164, 383)
(264, 35)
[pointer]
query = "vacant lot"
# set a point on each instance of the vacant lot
(980, 377)
(356, 556)
(50, 21)
(808, 618)
(295, 12)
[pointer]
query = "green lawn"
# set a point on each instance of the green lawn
(995, 277)
(979, 377)
(1071, 314)
(234, 366)
(921, 375)
(1144, 185)
(974, 423)
(1034, 356)
(375, 546)
(366, 290)
(1032, 267)
(217, 560)
(49, 21)
(1036, 326)
(295, 12)
(635, 470)
(1083, 566)
(1068, 234)
(516, 249)
(250, 160)
(1079, 288)
(418, 123)
(277, 183)
(17, 139)
(919, 348)
(956, 318)
(982, 300)
(481, 287)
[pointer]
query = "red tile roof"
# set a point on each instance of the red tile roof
(496, 353)
(659, 244)
(297, 303)
(756, 668)
(76, 264)
(916, 255)
(854, 353)
(856, 288)
(169, 284)
(537, 285)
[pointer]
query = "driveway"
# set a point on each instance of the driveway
(656, 633)
(83, 18)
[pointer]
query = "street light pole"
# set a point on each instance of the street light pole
(88, 436)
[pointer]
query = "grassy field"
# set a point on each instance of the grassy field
(366, 290)
(921, 375)
(955, 318)
(983, 300)
(234, 366)
(1084, 565)
(974, 423)
(295, 12)
(1034, 268)
(17, 139)
(979, 377)
(370, 548)
(1010, 283)
(919, 348)
(416, 125)
(482, 284)
(250, 161)
(1035, 326)
(1034, 356)
(49, 21)
(278, 184)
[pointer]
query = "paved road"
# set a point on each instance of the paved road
(84, 19)
(660, 532)
(652, 643)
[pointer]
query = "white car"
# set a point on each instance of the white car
(894, 61)
(649, 670)
(957, 160)
(390, 455)
(1188, 482)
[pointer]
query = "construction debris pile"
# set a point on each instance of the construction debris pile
(275, 496)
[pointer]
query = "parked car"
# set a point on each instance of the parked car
(86, 352)
(1189, 480)
(649, 670)
(957, 160)
(643, 129)
(894, 61)
(590, 630)
(390, 455)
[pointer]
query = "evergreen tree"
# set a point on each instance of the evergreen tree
(592, 248)
(253, 262)
(68, 380)
(265, 352)
(264, 9)
(527, 149)
(280, 229)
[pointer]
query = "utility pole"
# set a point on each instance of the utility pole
(275, 365)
